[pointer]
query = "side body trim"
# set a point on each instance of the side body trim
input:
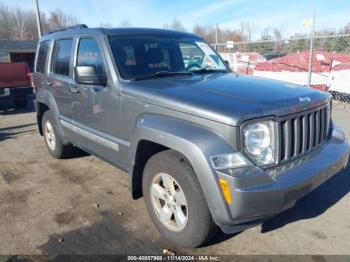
(97, 136)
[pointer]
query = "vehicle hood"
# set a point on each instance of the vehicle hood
(227, 98)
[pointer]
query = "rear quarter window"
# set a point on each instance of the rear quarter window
(42, 57)
(61, 58)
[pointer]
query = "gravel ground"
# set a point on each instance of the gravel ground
(82, 205)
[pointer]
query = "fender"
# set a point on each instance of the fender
(45, 97)
(196, 143)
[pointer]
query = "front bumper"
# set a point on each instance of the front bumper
(260, 194)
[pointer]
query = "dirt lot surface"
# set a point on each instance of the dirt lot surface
(83, 206)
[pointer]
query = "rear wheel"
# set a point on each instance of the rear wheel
(53, 142)
(175, 201)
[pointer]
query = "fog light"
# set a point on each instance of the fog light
(339, 133)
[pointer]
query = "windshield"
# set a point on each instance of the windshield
(140, 56)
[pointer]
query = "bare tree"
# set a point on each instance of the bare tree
(232, 35)
(175, 25)
(223, 35)
(265, 34)
(207, 33)
(5, 22)
(277, 34)
(58, 19)
(44, 23)
(24, 26)
(210, 38)
(246, 31)
(200, 31)
(21, 24)
(347, 29)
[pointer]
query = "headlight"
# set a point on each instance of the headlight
(259, 142)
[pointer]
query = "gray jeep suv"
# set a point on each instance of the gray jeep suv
(205, 147)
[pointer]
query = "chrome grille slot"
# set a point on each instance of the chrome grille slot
(303, 132)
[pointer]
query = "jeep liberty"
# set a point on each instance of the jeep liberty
(206, 148)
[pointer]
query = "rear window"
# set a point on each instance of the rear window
(5, 57)
(42, 56)
(61, 61)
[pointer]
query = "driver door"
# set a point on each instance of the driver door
(96, 108)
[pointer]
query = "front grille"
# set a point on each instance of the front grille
(303, 132)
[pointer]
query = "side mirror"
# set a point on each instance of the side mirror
(87, 75)
(227, 63)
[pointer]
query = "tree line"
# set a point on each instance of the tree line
(18, 24)
(271, 40)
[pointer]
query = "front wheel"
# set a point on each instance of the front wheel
(175, 201)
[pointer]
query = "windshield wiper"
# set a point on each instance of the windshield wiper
(209, 71)
(161, 74)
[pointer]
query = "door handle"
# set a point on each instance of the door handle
(74, 90)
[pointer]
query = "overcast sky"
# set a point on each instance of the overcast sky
(284, 14)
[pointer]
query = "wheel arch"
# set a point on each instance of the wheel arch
(46, 102)
(41, 108)
(156, 133)
(145, 150)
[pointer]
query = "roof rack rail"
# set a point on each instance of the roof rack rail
(79, 26)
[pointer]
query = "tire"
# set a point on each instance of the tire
(199, 226)
(20, 103)
(57, 149)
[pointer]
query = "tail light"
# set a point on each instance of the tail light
(29, 75)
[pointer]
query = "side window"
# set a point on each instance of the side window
(89, 54)
(61, 62)
(42, 56)
(191, 54)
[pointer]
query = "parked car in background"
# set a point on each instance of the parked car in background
(272, 55)
(15, 82)
(205, 148)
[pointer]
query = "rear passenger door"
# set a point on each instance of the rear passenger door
(59, 78)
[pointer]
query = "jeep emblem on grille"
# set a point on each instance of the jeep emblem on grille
(305, 99)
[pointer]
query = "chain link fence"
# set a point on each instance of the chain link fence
(327, 69)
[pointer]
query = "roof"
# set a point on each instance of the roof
(321, 62)
(121, 31)
(154, 31)
(18, 46)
